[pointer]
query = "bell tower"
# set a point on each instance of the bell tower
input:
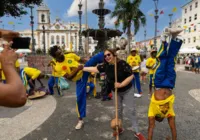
(43, 16)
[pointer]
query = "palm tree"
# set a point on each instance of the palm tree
(128, 12)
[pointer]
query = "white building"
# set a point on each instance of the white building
(57, 32)
(191, 24)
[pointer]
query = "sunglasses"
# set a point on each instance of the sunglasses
(106, 55)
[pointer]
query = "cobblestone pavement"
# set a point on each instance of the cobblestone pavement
(60, 125)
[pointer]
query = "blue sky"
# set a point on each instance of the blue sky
(60, 7)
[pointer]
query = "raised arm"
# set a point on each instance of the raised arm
(13, 93)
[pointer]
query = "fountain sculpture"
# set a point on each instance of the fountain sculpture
(102, 34)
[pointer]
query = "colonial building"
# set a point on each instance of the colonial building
(191, 24)
(57, 32)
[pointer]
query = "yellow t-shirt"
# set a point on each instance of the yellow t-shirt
(17, 65)
(73, 56)
(134, 61)
(66, 67)
(163, 108)
(32, 72)
(150, 62)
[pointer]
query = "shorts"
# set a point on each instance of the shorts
(197, 65)
(162, 108)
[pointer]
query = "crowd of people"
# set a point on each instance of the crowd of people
(159, 66)
(194, 61)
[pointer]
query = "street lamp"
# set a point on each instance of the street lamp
(44, 44)
(32, 30)
(80, 34)
(170, 20)
(156, 21)
(145, 35)
(75, 42)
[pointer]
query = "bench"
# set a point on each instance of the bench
(188, 68)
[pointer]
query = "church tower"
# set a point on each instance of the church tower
(43, 16)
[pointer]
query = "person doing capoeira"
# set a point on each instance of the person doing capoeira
(162, 100)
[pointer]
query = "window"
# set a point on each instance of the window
(190, 19)
(185, 11)
(52, 39)
(63, 39)
(195, 28)
(185, 20)
(196, 4)
(190, 7)
(188, 40)
(195, 17)
(194, 39)
(43, 18)
(57, 39)
(183, 41)
(189, 29)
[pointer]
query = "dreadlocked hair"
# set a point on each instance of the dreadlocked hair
(52, 51)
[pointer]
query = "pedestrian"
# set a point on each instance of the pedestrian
(72, 70)
(144, 70)
(13, 93)
(124, 85)
(134, 61)
(197, 59)
(162, 100)
(151, 65)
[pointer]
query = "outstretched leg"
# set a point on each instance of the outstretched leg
(174, 48)
(160, 71)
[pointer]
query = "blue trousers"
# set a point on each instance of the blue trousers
(150, 80)
(82, 83)
(136, 81)
(52, 81)
(165, 74)
(91, 85)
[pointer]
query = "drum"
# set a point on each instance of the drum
(135, 68)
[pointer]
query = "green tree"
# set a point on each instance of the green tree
(128, 13)
(16, 8)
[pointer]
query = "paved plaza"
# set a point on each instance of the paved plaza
(54, 117)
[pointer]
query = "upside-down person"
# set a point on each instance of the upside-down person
(162, 100)
(72, 70)
(29, 75)
(124, 86)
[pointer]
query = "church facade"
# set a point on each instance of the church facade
(56, 33)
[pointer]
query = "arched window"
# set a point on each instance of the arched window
(63, 39)
(43, 18)
(57, 39)
(52, 39)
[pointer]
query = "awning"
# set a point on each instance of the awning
(189, 50)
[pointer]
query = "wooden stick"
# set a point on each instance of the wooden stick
(116, 102)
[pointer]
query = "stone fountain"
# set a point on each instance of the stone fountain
(102, 34)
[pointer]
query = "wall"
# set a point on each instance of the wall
(40, 62)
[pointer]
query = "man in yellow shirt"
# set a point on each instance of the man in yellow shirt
(151, 65)
(134, 60)
(31, 74)
(3, 78)
(72, 70)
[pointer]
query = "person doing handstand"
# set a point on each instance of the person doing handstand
(162, 100)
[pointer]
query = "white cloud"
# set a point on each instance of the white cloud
(73, 10)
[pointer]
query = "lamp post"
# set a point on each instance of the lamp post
(156, 21)
(44, 42)
(80, 24)
(32, 30)
(170, 20)
(145, 35)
